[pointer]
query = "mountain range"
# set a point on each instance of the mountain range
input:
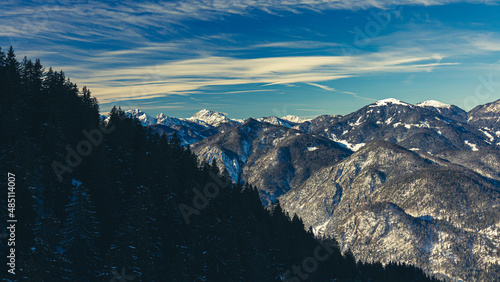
(391, 182)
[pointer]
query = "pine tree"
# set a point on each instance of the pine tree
(80, 235)
(46, 255)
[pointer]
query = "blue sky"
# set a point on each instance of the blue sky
(264, 57)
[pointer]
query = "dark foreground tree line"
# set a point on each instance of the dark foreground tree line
(96, 200)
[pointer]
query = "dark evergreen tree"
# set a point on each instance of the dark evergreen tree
(80, 235)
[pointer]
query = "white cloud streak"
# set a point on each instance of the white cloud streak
(184, 77)
(324, 87)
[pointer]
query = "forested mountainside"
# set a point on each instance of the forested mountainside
(98, 200)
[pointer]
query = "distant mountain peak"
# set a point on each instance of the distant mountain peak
(294, 119)
(210, 117)
(388, 101)
(161, 116)
(276, 121)
(144, 118)
(250, 120)
(135, 111)
(206, 112)
(434, 103)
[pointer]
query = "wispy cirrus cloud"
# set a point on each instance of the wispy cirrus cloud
(304, 44)
(485, 42)
(324, 87)
(185, 77)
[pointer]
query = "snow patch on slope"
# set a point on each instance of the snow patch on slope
(246, 148)
(320, 228)
(346, 144)
(472, 146)
(487, 134)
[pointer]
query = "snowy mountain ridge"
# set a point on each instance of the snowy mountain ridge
(210, 118)
(207, 118)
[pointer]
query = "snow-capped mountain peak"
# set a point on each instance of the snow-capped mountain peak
(212, 118)
(144, 118)
(161, 116)
(434, 103)
(385, 102)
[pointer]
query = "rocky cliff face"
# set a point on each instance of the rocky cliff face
(388, 203)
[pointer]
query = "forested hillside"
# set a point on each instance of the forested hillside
(97, 201)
